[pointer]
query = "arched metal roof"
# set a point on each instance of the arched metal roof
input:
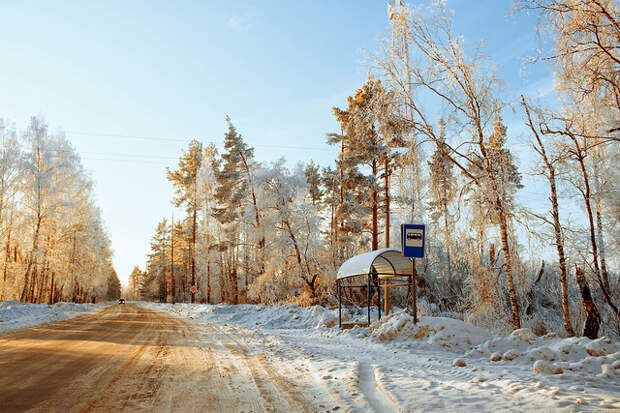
(387, 262)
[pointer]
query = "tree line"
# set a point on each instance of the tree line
(424, 140)
(53, 243)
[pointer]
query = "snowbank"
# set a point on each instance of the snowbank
(14, 314)
(439, 363)
(548, 354)
(288, 316)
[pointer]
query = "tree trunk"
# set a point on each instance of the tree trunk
(593, 318)
(261, 243)
(557, 227)
(448, 238)
(532, 292)
(308, 279)
(7, 259)
(387, 204)
(33, 283)
(375, 232)
(192, 252)
(341, 173)
(52, 287)
(234, 285)
(601, 244)
(514, 304)
(208, 281)
(35, 246)
(42, 280)
(559, 244)
(599, 220)
(587, 197)
(173, 280)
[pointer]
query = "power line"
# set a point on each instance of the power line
(132, 161)
(112, 135)
(157, 138)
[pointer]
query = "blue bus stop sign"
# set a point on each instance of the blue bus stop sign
(412, 238)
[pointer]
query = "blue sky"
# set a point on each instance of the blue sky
(131, 83)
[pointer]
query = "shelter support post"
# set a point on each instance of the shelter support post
(368, 299)
(339, 304)
(414, 294)
(386, 299)
(379, 296)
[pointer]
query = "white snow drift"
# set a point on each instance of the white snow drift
(14, 314)
(439, 364)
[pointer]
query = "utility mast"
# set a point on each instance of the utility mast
(397, 12)
(399, 50)
(399, 15)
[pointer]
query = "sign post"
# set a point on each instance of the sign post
(413, 237)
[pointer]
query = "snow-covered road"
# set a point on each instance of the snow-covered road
(129, 359)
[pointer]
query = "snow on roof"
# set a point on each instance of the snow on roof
(387, 261)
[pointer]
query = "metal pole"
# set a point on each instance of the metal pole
(379, 296)
(339, 305)
(386, 299)
(408, 292)
(368, 299)
(414, 294)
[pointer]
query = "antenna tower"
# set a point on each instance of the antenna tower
(397, 12)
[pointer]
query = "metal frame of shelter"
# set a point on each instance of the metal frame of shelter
(383, 268)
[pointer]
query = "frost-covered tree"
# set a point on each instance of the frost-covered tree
(10, 175)
(582, 41)
(54, 245)
(313, 179)
(296, 221)
(237, 205)
(443, 190)
(468, 91)
(206, 253)
(185, 181)
(330, 181)
(550, 162)
(372, 132)
(156, 276)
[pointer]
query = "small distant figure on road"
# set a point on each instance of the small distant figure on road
(121, 301)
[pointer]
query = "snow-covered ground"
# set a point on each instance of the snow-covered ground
(14, 314)
(440, 364)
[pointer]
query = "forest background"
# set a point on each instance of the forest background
(422, 140)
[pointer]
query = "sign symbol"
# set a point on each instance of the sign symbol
(412, 240)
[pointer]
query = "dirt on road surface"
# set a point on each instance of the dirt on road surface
(128, 359)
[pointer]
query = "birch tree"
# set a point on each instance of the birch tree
(444, 75)
(443, 190)
(550, 163)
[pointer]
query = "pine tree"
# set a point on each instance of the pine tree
(313, 178)
(185, 182)
(372, 130)
(331, 183)
(158, 263)
(235, 181)
(135, 282)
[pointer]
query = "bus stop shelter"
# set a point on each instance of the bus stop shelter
(372, 270)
